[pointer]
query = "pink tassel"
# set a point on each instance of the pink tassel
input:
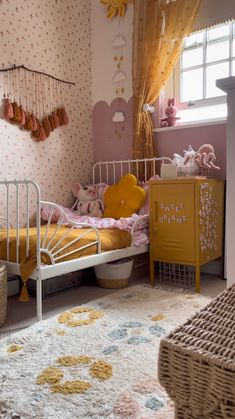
(42, 134)
(47, 126)
(52, 122)
(56, 120)
(28, 122)
(8, 109)
(34, 123)
(60, 116)
(37, 131)
(16, 110)
(22, 116)
(65, 116)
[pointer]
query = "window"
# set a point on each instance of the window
(207, 55)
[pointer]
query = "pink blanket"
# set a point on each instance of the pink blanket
(140, 236)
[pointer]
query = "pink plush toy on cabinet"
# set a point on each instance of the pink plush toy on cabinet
(171, 111)
(205, 157)
(87, 202)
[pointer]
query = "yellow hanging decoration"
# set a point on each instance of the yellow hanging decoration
(115, 7)
(24, 296)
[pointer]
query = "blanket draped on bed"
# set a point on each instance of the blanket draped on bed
(111, 239)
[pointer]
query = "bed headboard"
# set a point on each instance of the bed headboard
(111, 171)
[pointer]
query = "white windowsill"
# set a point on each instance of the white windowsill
(193, 124)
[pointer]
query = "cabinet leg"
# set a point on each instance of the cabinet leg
(152, 276)
(197, 278)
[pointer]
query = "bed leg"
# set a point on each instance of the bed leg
(39, 299)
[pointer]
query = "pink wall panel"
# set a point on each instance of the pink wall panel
(112, 140)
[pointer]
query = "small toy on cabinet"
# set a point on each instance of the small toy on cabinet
(171, 111)
(187, 165)
(192, 161)
(87, 202)
(205, 157)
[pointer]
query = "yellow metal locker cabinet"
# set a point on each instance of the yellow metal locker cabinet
(186, 222)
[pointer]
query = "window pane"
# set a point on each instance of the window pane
(218, 51)
(203, 113)
(214, 72)
(218, 32)
(191, 85)
(233, 48)
(233, 68)
(194, 40)
(192, 57)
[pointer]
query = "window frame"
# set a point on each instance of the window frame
(177, 79)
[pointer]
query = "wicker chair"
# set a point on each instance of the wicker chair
(197, 362)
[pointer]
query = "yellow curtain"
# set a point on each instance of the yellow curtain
(159, 28)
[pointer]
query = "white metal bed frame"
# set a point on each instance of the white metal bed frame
(44, 245)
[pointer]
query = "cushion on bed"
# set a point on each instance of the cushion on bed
(123, 199)
(144, 210)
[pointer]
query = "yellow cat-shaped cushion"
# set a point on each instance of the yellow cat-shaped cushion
(123, 199)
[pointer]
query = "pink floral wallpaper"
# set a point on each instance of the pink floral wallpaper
(51, 36)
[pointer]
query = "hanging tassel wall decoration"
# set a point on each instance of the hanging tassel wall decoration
(58, 112)
(34, 118)
(56, 118)
(8, 109)
(45, 122)
(63, 111)
(34, 100)
(22, 111)
(42, 135)
(51, 116)
(16, 110)
(36, 132)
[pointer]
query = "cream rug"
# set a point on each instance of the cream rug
(94, 361)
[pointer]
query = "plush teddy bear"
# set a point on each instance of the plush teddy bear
(87, 202)
(171, 111)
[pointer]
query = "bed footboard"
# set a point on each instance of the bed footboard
(58, 251)
(20, 200)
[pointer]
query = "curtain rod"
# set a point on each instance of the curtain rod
(14, 67)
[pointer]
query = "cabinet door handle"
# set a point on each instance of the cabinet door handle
(155, 229)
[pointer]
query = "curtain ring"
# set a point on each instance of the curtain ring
(148, 108)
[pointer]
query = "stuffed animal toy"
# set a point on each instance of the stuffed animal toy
(205, 157)
(171, 111)
(87, 202)
(187, 163)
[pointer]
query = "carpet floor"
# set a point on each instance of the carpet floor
(97, 360)
(22, 315)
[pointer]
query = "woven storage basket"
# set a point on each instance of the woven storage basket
(197, 362)
(3, 293)
(114, 275)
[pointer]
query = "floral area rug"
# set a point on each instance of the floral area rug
(94, 361)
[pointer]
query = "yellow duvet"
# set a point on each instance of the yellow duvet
(111, 239)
